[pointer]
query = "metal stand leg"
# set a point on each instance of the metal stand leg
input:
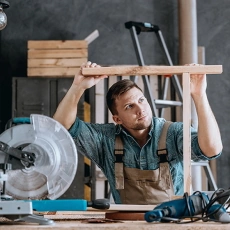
(208, 172)
(135, 28)
(140, 59)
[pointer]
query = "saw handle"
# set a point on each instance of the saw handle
(17, 121)
(99, 204)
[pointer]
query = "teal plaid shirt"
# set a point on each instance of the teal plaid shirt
(97, 141)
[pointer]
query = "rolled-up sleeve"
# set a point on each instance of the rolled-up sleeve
(94, 140)
(176, 131)
(76, 128)
(197, 154)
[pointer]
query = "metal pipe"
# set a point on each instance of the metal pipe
(187, 32)
(188, 53)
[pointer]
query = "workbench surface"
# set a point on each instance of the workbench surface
(134, 225)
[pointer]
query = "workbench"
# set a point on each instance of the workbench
(134, 225)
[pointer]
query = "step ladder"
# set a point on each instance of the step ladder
(135, 29)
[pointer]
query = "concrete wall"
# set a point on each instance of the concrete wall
(76, 19)
(213, 33)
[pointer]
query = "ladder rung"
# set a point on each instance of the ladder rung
(166, 103)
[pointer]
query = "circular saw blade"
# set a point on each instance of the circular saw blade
(55, 164)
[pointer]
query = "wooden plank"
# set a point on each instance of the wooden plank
(131, 207)
(125, 207)
(186, 132)
(152, 70)
(56, 62)
(52, 72)
(65, 53)
(77, 215)
(57, 44)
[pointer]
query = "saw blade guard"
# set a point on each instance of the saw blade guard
(56, 160)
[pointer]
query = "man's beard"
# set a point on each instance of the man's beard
(142, 126)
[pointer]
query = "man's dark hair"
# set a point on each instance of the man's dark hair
(116, 90)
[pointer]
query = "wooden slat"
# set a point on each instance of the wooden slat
(65, 53)
(77, 215)
(56, 62)
(52, 72)
(131, 207)
(125, 207)
(186, 132)
(57, 44)
(152, 70)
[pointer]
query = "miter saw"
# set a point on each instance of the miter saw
(38, 162)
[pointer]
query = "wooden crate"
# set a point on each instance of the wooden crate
(56, 58)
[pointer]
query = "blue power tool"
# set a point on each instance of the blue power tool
(189, 207)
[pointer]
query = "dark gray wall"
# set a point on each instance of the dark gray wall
(214, 33)
(72, 19)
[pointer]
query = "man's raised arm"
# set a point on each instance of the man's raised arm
(209, 137)
(66, 112)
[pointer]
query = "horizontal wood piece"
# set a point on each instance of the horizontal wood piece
(56, 62)
(77, 215)
(126, 207)
(152, 70)
(52, 72)
(57, 44)
(131, 207)
(65, 53)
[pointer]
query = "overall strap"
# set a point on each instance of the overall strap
(119, 153)
(162, 150)
(119, 166)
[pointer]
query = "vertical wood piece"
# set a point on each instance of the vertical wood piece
(186, 132)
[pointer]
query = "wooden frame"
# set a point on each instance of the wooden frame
(185, 71)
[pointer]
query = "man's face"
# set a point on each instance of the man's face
(133, 110)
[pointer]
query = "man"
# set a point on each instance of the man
(140, 175)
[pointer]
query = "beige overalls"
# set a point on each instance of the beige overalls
(138, 186)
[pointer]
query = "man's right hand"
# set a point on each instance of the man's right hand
(67, 109)
(86, 82)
